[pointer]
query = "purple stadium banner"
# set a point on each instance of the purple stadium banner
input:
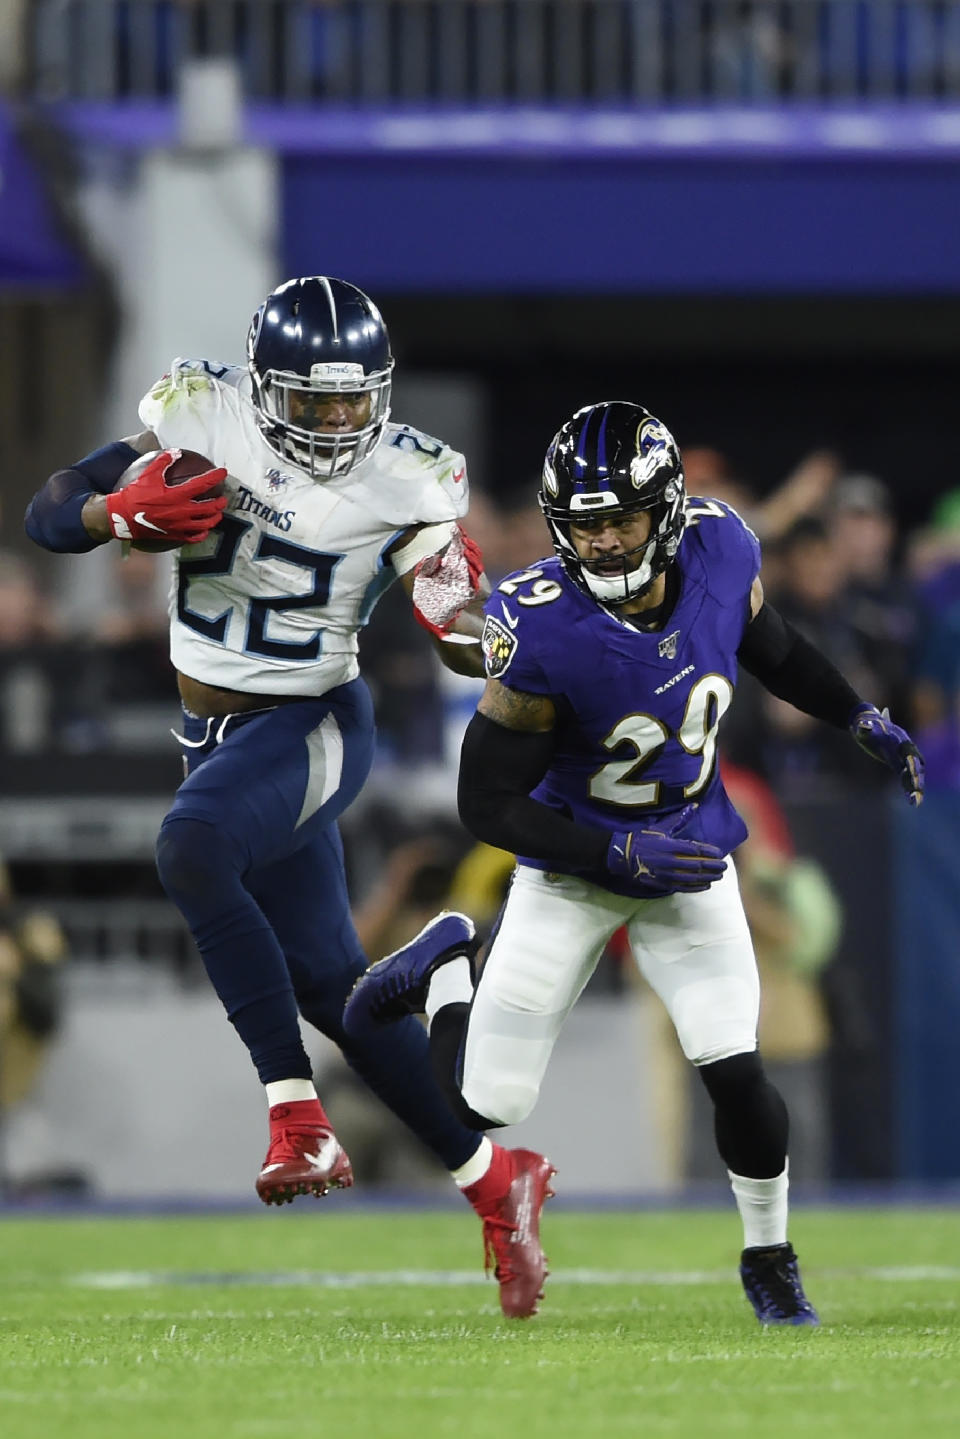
(806, 200)
(801, 132)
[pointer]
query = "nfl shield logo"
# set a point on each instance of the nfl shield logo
(667, 648)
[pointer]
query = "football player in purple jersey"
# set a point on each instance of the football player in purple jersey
(593, 758)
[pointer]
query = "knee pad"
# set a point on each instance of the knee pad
(503, 1100)
(715, 1018)
(503, 1070)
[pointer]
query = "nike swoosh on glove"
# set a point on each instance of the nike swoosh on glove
(149, 507)
(875, 732)
(663, 859)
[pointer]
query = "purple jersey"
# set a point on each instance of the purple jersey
(637, 713)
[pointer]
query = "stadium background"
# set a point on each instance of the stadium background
(743, 215)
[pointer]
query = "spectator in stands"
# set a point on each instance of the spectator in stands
(804, 493)
(414, 882)
(13, 48)
(44, 692)
(934, 564)
(763, 733)
(877, 598)
(32, 950)
(131, 633)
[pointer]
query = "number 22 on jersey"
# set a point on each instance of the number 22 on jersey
(317, 565)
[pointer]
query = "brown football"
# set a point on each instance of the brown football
(188, 464)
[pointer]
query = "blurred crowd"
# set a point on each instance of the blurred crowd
(320, 48)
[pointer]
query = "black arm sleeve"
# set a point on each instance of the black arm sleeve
(794, 670)
(498, 769)
(54, 515)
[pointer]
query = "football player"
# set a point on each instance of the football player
(593, 758)
(312, 504)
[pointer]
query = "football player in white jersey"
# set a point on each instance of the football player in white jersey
(313, 502)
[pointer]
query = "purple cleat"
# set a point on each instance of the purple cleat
(771, 1281)
(397, 984)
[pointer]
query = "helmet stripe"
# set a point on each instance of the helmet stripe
(602, 468)
(580, 464)
(328, 291)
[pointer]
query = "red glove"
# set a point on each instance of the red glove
(150, 509)
(473, 555)
(444, 584)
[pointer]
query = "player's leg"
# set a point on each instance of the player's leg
(491, 1047)
(256, 783)
(304, 896)
(492, 1043)
(307, 899)
(548, 941)
(494, 1052)
(696, 952)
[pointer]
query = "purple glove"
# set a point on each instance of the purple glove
(883, 740)
(662, 860)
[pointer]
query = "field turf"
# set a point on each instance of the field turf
(317, 1321)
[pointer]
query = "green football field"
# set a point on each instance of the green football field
(324, 1321)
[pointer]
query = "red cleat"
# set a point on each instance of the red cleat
(511, 1227)
(303, 1158)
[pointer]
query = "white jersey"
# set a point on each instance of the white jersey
(271, 603)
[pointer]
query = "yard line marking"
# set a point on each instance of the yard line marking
(448, 1278)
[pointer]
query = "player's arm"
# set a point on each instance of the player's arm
(507, 750)
(441, 570)
(793, 669)
(77, 509)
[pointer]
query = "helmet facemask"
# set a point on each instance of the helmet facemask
(323, 454)
(639, 567)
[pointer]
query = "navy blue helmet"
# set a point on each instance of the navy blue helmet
(613, 459)
(317, 337)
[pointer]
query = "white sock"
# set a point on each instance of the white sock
(288, 1091)
(763, 1208)
(450, 984)
(476, 1166)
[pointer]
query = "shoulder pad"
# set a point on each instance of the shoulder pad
(517, 631)
(188, 382)
(718, 528)
(419, 480)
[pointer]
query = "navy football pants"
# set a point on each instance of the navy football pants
(251, 856)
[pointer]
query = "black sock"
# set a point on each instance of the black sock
(750, 1117)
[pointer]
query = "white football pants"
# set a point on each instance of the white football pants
(694, 950)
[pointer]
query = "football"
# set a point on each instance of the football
(184, 467)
